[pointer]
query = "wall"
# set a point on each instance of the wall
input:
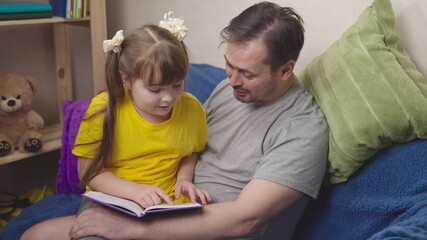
(29, 49)
(325, 21)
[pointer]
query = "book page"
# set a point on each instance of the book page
(133, 208)
(162, 207)
(123, 203)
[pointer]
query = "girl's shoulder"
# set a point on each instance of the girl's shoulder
(189, 98)
(190, 104)
(99, 102)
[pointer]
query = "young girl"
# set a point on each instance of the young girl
(139, 139)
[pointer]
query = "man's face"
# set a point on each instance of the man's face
(251, 79)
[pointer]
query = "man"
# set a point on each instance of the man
(266, 150)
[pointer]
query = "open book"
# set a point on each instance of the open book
(132, 208)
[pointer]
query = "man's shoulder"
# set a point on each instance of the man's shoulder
(220, 94)
(222, 85)
(304, 105)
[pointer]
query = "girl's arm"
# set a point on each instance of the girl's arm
(184, 181)
(107, 182)
(186, 168)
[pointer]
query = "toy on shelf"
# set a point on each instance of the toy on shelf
(19, 124)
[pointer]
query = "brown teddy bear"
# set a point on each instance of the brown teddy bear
(19, 124)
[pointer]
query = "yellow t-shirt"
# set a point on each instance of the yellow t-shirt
(144, 152)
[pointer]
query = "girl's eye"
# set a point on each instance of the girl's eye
(154, 89)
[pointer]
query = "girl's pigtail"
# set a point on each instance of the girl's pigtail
(115, 88)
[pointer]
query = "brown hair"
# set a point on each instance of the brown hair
(281, 29)
(149, 53)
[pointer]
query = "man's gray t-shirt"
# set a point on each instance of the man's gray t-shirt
(284, 141)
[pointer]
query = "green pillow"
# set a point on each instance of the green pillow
(370, 91)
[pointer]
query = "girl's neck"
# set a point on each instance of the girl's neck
(153, 118)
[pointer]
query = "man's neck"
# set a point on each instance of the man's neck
(282, 87)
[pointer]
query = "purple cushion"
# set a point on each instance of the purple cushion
(67, 180)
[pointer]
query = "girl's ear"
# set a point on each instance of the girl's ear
(125, 80)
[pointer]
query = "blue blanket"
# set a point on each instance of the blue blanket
(53, 206)
(385, 199)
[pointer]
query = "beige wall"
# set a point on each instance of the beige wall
(29, 49)
(325, 21)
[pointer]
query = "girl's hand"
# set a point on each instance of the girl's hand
(191, 191)
(148, 195)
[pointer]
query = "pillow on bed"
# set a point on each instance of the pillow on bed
(202, 79)
(369, 90)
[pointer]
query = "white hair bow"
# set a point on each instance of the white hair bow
(174, 25)
(115, 43)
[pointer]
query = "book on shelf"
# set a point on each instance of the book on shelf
(131, 208)
(21, 16)
(85, 9)
(69, 8)
(24, 10)
(77, 6)
(59, 8)
(24, 7)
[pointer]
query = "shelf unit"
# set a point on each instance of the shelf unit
(98, 32)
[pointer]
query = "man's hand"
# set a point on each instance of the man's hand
(93, 222)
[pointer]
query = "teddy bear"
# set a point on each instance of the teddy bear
(19, 124)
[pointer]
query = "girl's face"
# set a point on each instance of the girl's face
(154, 103)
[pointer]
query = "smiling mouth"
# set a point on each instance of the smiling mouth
(239, 92)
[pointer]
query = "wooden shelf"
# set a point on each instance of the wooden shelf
(52, 141)
(98, 31)
(44, 21)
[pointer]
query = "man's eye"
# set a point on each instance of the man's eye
(248, 75)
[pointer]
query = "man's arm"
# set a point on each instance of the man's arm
(259, 201)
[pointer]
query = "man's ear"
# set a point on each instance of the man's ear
(287, 70)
